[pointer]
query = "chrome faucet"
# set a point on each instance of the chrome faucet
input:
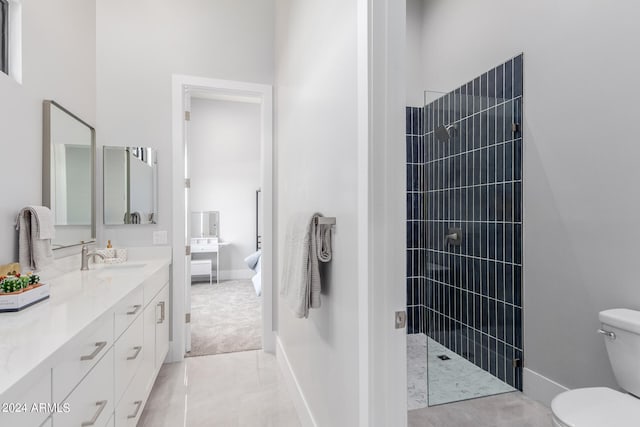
(85, 254)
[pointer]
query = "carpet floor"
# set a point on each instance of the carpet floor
(225, 318)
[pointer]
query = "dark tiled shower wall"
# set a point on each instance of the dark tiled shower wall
(473, 182)
(416, 237)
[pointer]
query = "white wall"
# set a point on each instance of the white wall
(140, 45)
(316, 161)
(580, 160)
(58, 62)
(224, 144)
(414, 70)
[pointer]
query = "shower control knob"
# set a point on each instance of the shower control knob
(454, 236)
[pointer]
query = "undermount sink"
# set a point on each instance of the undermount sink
(119, 269)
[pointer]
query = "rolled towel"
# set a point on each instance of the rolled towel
(121, 255)
(323, 242)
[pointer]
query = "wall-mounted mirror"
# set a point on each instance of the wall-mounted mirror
(130, 185)
(205, 224)
(68, 175)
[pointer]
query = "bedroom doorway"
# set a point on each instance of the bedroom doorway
(224, 161)
(222, 130)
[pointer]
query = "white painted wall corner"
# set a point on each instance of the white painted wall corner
(540, 388)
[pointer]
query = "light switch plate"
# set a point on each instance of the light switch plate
(160, 237)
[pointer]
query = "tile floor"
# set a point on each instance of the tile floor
(247, 389)
(449, 380)
(233, 389)
(504, 410)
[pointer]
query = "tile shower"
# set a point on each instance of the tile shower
(464, 178)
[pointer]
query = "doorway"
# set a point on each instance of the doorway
(217, 254)
(224, 161)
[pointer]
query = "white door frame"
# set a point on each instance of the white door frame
(224, 88)
(383, 358)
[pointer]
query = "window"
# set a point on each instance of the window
(4, 36)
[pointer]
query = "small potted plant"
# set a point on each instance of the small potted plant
(15, 282)
(18, 291)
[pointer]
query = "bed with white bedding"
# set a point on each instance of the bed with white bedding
(254, 262)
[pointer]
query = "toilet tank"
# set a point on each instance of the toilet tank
(624, 349)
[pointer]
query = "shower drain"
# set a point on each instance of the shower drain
(444, 357)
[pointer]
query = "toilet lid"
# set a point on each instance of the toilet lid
(596, 407)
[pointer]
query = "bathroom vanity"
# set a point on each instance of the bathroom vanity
(90, 354)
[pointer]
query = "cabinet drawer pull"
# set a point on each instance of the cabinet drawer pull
(101, 405)
(99, 346)
(135, 310)
(161, 305)
(137, 349)
(138, 404)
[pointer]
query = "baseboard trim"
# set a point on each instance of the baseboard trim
(299, 401)
(540, 388)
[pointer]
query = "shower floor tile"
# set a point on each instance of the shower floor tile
(416, 371)
(449, 380)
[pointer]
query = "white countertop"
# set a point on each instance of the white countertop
(29, 338)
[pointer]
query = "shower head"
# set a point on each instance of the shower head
(445, 132)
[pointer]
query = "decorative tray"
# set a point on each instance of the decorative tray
(18, 291)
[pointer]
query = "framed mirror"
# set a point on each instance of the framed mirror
(205, 224)
(68, 177)
(130, 185)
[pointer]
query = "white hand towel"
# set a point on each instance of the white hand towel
(34, 252)
(46, 228)
(301, 277)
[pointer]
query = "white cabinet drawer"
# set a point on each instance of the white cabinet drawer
(127, 310)
(92, 401)
(80, 354)
(162, 325)
(129, 352)
(18, 410)
(130, 407)
(200, 267)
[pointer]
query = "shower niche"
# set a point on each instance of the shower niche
(464, 240)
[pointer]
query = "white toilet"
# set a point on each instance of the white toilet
(601, 406)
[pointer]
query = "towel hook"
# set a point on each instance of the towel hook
(325, 220)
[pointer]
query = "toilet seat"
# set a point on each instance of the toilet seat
(595, 407)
